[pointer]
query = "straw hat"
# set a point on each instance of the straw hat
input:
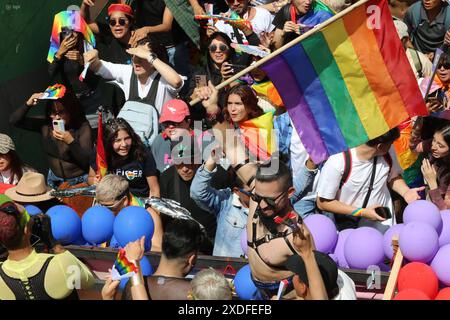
(31, 188)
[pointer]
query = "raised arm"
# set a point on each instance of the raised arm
(143, 32)
(86, 14)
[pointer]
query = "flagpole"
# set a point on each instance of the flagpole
(286, 46)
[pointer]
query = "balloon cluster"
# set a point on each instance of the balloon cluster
(99, 225)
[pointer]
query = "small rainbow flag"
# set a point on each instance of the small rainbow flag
(102, 167)
(72, 20)
(54, 92)
(122, 267)
(233, 18)
(348, 82)
(257, 135)
(253, 50)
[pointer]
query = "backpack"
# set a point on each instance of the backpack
(140, 113)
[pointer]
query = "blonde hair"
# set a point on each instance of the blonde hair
(208, 284)
(111, 188)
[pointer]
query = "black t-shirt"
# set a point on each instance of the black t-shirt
(134, 171)
(175, 188)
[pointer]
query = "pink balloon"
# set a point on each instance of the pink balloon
(419, 242)
(444, 237)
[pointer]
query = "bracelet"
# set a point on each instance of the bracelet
(152, 58)
(357, 212)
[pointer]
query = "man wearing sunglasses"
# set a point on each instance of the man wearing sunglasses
(27, 275)
(260, 19)
(113, 192)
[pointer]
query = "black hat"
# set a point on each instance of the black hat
(328, 270)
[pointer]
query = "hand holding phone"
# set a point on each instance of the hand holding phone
(384, 212)
(59, 125)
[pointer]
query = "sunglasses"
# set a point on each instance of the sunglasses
(233, 1)
(120, 21)
(222, 48)
(168, 124)
(114, 205)
(271, 202)
(445, 65)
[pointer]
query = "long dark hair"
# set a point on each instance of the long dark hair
(137, 150)
(231, 53)
(16, 165)
(71, 106)
(249, 100)
(443, 164)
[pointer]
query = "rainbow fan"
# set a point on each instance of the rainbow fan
(54, 92)
(123, 268)
(72, 20)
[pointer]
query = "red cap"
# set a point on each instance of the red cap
(121, 8)
(174, 110)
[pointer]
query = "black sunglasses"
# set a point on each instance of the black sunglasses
(271, 202)
(222, 48)
(121, 21)
(445, 65)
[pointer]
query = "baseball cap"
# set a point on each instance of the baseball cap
(6, 144)
(402, 29)
(328, 270)
(174, 110)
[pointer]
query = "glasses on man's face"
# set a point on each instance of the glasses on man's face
(230, 2)
(222, 48)
(168, 124)
(271, 201)
(113, 206)
(120, 21)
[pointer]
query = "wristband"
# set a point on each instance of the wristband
(152, 57)
(357, 212)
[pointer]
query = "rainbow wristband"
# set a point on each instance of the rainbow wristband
(357, 212)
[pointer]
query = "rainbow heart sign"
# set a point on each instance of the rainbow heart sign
(54, 92)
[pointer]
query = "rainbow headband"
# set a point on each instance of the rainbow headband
(54, 92)
(72, 20)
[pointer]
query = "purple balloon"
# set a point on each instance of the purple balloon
(387, 239)
(339, 250)
(323, 231)
(244, 245)
(444, 237)
(419, 242)
(423, 211)
(364, 247)
(441, 264)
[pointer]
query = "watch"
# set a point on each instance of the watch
(152, 57)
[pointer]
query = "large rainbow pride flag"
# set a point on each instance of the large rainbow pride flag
(348, 82)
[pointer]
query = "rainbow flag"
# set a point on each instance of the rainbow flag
(123, 268)
(102, 167)
(72, 20)
(268, 90)
(348, 82)
(256, 134)
(54, 92)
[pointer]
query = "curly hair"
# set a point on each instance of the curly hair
(249, 100)
(112, 128)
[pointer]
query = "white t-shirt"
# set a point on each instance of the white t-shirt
(347, 289)
(261, 22)
(5, 177)
(354, 191)
(121, 75)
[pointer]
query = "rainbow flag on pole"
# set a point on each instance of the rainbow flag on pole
(102, 167)
(348, 82)
(256, 135)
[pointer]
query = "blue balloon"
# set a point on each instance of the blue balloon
(32, 210)
(66, 225)
(131, 224)
(147, 270)
(97, 224)
(245, 288)
(113, 243)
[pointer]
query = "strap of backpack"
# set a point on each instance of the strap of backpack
(347, 167)
(134, 93)
(238, 35)
(372, 179)
(151, 96)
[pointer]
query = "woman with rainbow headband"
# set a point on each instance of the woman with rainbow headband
(27, 275)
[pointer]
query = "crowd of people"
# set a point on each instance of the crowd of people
(151, 60)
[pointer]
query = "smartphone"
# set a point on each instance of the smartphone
(58, 125)
(200, 80)
(65, 33)
(384, 212)
(237, 67)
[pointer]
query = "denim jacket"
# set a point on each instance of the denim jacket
(282, 124)
(231, 216)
